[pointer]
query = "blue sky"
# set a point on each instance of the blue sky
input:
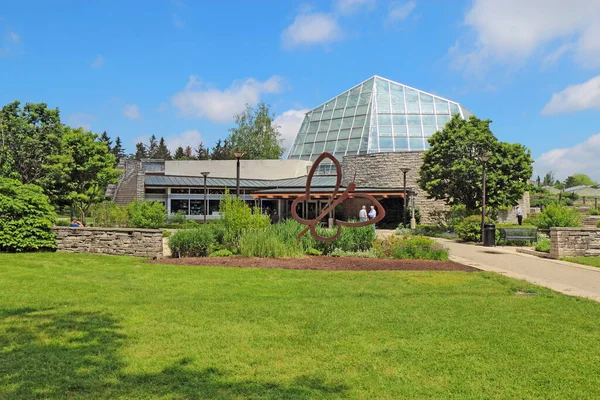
(181, 69)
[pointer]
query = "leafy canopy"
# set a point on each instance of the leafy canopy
(452, 171)
(579, 180)
(255, 134)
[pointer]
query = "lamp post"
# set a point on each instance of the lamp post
(484, 159)
(238, 155)
(413, 221)
(205, 174)
(404, 171)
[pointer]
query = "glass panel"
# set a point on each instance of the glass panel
(307, 148)
(349, 111)
(425, 98)
(332, 135)
(398, 108)
(385, 131)
(426, 145)
(359, 121)
(454, 109)
(414, 120)
(344, 134)
(398, 97)
(354, 144)
(329, 147)
(341, 100)
(347, 123)
(318, 149)
(373, 144)
(355, 91)
(197, 207)
(310, 138)
(321, 136)
(326, 114)
(413, 108)
(441, 107)
(315, 116)
(399, 119)
(428, 120)
(338, 113)
(386, 143)
(305, 157)
(179, 206)
(364, 98)
(313, 127)
(304, 126)
(382, 85)
(414, 130)
(400, 130)
(180, 191)
(296, 150)
(341, 145)
(401, 144)
(427, 108)
(442, 120)
(368, 84)
(383, 97)
(356, 132)
(360, 110)
(429, 130)
(395, 88)
(383, 107)
(384, 119)
(411, 96)
(335, 124)
(416, 144)
(329, 105)
(352, 100)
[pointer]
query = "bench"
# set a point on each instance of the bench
(525, 234)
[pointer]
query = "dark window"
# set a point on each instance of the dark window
(196, 207)
(216, 191)
(155, 191)
(180, 191)
(197, 191)
(179, 206)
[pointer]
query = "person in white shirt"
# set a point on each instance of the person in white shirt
(519, 215)
(372, 214)
(362, 214)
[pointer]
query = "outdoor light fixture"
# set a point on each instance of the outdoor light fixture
(238, 155)
(484, 158)
(205, 174)
(404, 171)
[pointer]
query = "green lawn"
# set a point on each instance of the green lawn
(592, 261)
(98, 327)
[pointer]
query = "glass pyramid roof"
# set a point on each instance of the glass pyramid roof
(377, 115)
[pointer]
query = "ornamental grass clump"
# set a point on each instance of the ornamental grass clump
(267, 244)
(419, 248)
(197, 242)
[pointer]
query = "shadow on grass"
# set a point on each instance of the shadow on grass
(52, 354)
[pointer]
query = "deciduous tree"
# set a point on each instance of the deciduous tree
(256, 135)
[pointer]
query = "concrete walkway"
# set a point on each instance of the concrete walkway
(568, 278)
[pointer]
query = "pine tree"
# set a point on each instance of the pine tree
(162, 152)
(140, 151)
(222, 151)
(202, 152)
(179, 154)
(104, 138)
(153, 147)
(118, 151)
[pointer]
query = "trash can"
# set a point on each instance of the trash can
(489, 235)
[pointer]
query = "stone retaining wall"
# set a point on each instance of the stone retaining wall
(574, 242)
(115, 241)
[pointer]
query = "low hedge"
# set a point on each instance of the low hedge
(197, 242)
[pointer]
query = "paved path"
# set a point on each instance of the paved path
(565, 277)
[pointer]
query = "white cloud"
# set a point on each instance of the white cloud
(188, 138)
(289, 124)
(553, 57)
(400, 11)
(575, 98)
(222, 105)
(510, 31)
(312, 29)
(132, 111)
(581, 158)
(163, 107)
(348, 7)
(98, 62)
(80, 120)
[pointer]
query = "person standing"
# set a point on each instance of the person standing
(362, 214)
(519, 215)
(372, 214)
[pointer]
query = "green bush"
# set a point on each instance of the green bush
(146, 214)
(419, 248)
(593, 211)
(192, 242)
(26, 218)
(469, 229)
(238, 218)
(109, 214)
(63, 222)
(556, 215)
(384, 248)
(166, 234)
(598, 224)
(221, 253)
(266, 243)
(177, 218)
(543, 245)
(313, 252)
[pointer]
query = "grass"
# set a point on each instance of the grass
(591, 261)
(100, 327)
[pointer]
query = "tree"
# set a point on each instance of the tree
(104, 138)
(118, 151)
(179, 154)
(579, 180)
(538, 182)
(255, 134)
(83, 170)
(140, 151)
(187, 153)
(162, 152)
(152, 147)
(452, 172)
(222, 152)
(202, 153)
(548, 179)
(29, 135)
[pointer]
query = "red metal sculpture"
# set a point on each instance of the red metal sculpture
(332, 203)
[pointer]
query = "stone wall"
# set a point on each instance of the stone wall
(574, 242)
(382, 170)
(510, 217)
(115, 241)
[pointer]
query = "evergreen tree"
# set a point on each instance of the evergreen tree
(179, 154)
(140, 151)
(548, 179)
(153, 147)
(538, 181)
(187, 153)
(118, 151)
(104, 138)
(222, 151)
(202, 153)
(162, 152)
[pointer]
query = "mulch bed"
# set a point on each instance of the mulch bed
(321, 263)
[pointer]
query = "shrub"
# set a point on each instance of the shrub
(266, 243)
(192, 242)
(419, 248)
(238, 218)
(598, 224)
(177, 218)
(189, 224)
(469, 229)
(543, 245)
(109, 214)
(166, 234)
(146, 214)
(384, 248)
(26, 218)
(593, 211)
(556, 215)
(313, 252)
(371, 253)
(221, 253)
(63, 222)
